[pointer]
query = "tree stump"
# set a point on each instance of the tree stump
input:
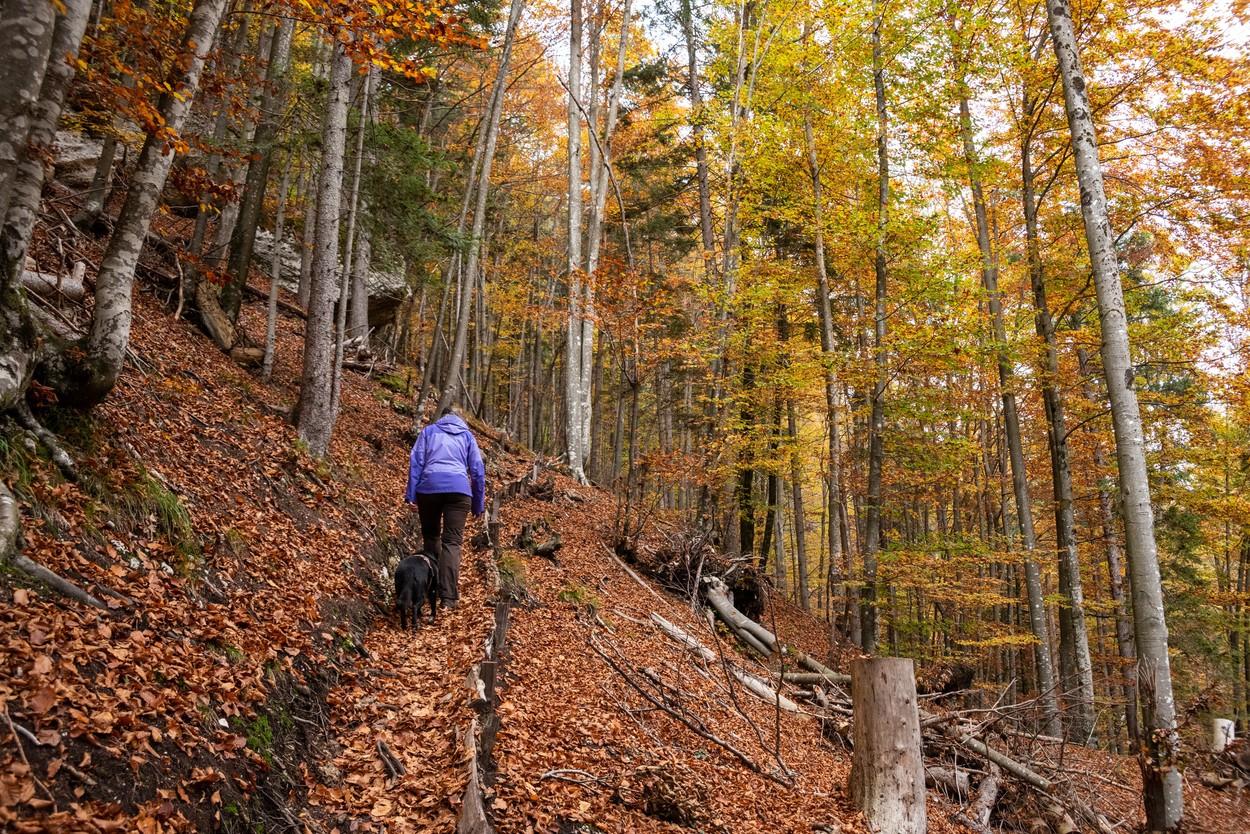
(887, 769)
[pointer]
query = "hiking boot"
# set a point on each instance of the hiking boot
(451, 604)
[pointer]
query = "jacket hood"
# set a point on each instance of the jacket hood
(451, 424)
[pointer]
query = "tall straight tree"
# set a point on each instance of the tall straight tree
(453, 384)
(876, 420)
(1161, 776)
(316, 403)
(574, 399)
(1047, 693)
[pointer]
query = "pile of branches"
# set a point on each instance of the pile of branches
(1229, 769)
(680, 558)
(959, 757)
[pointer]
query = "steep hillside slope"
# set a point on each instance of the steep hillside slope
(248, 676)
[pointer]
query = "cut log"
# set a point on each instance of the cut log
(756, 686)
(887, 768)
(816, 678)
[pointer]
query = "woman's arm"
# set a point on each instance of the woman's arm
(416, 465)
(477, 476)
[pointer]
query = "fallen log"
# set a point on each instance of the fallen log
(282, 305)
(717, 594)
(814, 678)
(56, 286)
(756, 686)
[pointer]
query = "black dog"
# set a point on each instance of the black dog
(415, 582)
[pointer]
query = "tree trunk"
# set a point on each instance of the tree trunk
(349, 243)
(800, 522)
(876, 426)
(887, 765)
(316, 405)
(110, 323)
(31, 172)
(573, 346)
(273, 103)
(25, 49)
(1019, 475)
(1161, 775)
(1115, 574)
(453, 382)
(275, 275)
(358, 310)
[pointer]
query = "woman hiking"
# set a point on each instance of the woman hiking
(446, 479)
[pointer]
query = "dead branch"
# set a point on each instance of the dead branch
(756, 686)
(679, 713)
(394, 767)
(632, 574)
(717, 594)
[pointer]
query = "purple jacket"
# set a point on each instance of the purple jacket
(445, 458)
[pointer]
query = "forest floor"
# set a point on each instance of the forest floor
(249, 665)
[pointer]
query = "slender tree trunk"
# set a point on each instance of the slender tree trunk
(573, 372)
(835, 510)
(800, 520)
(349, 244)
(109, 336)
(275, 276)
(876, 427)
(1075, 664)
(1161, 776)
(454, 382)
(273, 102)
(358, 310)
(316, 406)
(32, 169)
(1115, 573)
(25, 48)
(1019, 475)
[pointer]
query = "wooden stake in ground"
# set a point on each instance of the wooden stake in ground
(887, 770)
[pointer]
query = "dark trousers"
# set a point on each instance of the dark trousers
(442, 531)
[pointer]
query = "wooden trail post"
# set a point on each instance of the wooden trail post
(887, 768)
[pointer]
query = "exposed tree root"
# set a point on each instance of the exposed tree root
(59, 456)
(10, 525)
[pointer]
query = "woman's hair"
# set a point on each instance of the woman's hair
(450, 409)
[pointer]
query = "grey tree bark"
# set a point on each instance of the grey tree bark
(316, 406)
(275, 275)
(30, 174)
(308, 238)
(109, 336)
(575, 265)
(25, 44)
(1047, 694)
(876, 425)
(349, 244)
(1161, 774)
(887, 768)
(454, 381)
